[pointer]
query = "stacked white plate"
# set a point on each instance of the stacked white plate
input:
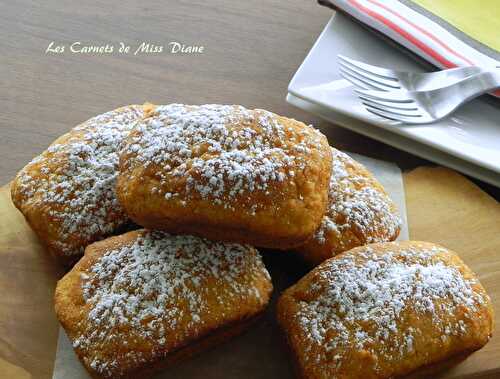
(468, 141)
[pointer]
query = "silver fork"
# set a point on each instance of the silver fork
(370, 77)
(423, 107)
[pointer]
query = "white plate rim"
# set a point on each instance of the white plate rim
(297, 91)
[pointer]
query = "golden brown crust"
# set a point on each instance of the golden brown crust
(144, 300)
(193, 348)
(359, 212)
(67, 193)
(226, 173)
(384, 310)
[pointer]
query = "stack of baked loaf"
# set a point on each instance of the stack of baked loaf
(208, 184)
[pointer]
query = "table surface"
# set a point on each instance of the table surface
(251, 51)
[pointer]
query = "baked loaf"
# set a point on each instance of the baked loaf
(226, 173)
(359, 212)
(140, 301)
(67, 193)
(384, 310)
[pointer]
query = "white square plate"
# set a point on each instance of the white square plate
(468, 141)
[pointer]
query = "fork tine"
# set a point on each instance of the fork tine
(386, 83)
(395, 111)
(380, 71)
(403, 106)
(390, 96)
(392, 116)
(355, 82)
(356, 79)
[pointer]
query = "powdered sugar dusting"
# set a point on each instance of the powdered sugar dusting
(360, 298)
(157, 290)
(223, 151)
(76, 180)
(355, 204)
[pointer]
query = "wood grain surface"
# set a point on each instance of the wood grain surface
(252, 50)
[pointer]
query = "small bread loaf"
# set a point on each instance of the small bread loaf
(383, 310)
(143, 300)
(67, 193)
(359, 212)
(226, 173)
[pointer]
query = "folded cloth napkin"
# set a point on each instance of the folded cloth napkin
(446, 33)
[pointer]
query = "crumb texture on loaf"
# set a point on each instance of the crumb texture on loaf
(384, 310)
(226, 172)
(359, 212)
(67, 193)
(134, 299)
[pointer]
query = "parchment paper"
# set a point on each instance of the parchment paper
(260, 352)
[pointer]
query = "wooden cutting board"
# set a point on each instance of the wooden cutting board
(442, 207)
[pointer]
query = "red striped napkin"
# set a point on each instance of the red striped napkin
(426, 34)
